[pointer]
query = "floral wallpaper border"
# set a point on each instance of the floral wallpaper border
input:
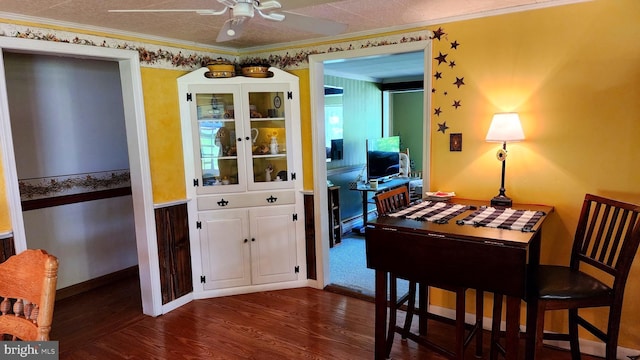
(177, 58)
(46, 187)
(297, 58)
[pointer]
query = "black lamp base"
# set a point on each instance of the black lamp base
(501, 201)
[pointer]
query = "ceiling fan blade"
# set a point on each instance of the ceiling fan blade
(232, 29)
(228, 3)
(268, 5)
(297, 4)
(314, 25)
(197, 11)
(271, 15)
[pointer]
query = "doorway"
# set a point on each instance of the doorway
(71, 159)
(140, 177)
(316, 75)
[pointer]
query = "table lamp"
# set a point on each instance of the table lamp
(505, 127)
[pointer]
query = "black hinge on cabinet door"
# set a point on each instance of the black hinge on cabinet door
(203, 279)
(189, 97)
(293, 176)
(196, 182)
(294, 217)
(198, 225)
(297, 269)
(289, 94)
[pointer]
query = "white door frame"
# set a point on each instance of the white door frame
(139, 168)
(316, 83)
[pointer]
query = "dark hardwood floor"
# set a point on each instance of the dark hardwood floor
(107, 323)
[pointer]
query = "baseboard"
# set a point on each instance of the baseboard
(595, 348)
(96, 283)
(356, 222)
(588, 347)
(343, 290)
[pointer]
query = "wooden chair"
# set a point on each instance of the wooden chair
(606, 241)
(387, 202)
(28, 290)
(391, 200)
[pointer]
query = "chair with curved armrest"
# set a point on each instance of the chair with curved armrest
(605, 243)
(28, 290)
(387, 202)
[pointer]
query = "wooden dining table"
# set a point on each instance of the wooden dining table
(497, 260)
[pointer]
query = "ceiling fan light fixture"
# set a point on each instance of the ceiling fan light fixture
(244, 10)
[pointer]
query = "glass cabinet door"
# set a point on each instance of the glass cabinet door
(269, 164)
(220, 157)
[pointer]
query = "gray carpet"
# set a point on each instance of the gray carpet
(348, 267)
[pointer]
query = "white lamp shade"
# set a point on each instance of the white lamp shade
(505, 127)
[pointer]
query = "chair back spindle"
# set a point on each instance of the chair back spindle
(607, 237)
(389, 201)
(27, 289)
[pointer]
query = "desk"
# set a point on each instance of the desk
(365, 188)
(489, 259)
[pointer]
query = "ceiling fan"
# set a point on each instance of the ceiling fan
(243, 10)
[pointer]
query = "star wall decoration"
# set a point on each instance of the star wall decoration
(443, 127)
(446, 51)
(442, 58)
(438, 34)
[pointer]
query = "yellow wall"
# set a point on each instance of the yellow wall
(573, 75)
(162, 113)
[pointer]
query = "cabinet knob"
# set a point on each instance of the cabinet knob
(247, 138)
(239, 139)
(253, 239)
(246, 240)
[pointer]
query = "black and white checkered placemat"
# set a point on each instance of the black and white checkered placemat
(434, 211)
(509, 219)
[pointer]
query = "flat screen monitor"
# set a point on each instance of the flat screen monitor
(336, 149)
(383, 158)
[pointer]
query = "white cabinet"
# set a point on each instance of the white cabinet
(273, 248)
(225, 249)
(243, 170)
(247, 247)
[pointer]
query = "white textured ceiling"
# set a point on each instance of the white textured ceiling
(361, 16)
(380, 69)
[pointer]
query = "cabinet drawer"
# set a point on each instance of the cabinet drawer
(232, 201)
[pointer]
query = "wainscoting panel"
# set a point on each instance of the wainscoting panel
(7, 248)
(310, 236)
(174, 251)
